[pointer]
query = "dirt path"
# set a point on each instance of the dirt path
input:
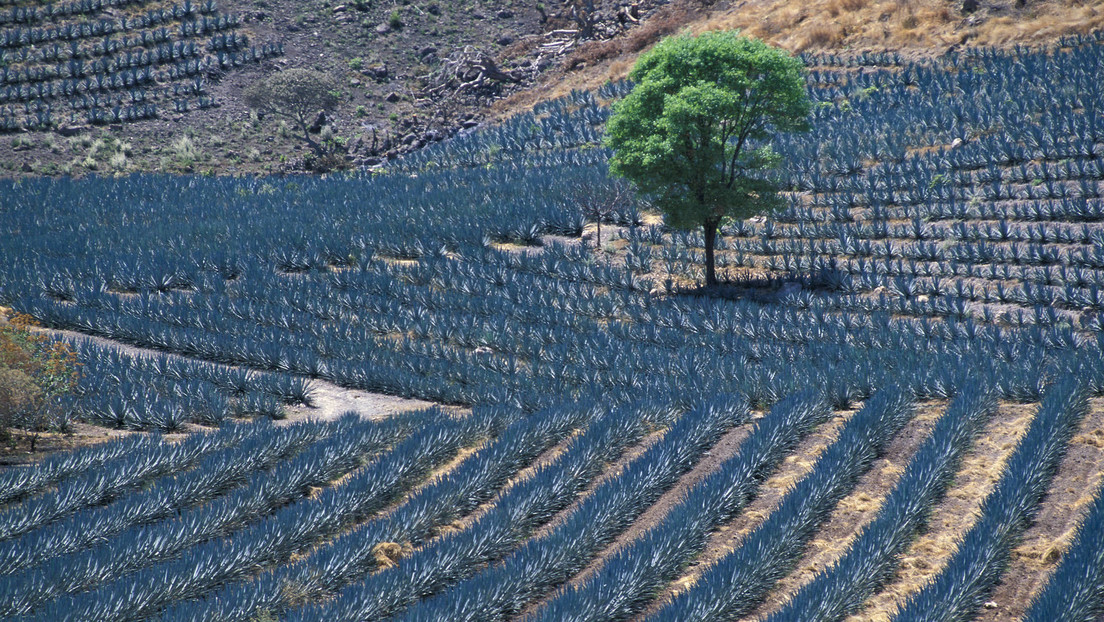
(795, 466)
(725, 448)
(956, 514)
(1042, 546)
(330, 400)
(856, 510)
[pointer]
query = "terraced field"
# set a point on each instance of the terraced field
(114, 61)
(892, 411)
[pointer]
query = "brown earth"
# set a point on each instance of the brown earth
(856, 510)
(952, 518)
(394, 113)
(724, 449)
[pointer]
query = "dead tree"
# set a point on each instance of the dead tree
(600, 201)
(582, 12)
(467, 70)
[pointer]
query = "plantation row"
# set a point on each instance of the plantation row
(133, 581)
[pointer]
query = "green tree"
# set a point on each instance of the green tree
(297, 95)
(692, 133)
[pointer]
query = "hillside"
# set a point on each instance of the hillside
(891, 410)
(396, 66)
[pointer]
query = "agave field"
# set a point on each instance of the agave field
(114, 61)
(609, 442)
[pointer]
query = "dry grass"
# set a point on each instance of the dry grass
(952, 517)
(794, 467)
(857, 509)
(914, 27)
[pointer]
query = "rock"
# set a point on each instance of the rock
(71, 130)
(484, 350)
(383, 28)
(991, 605)
(376, 72)
(956, 143)
(469, 123)
(922, 298)
(393, 97)
(434, 8)
(426, 51)
(969, 6)
(504, 14)
(354, 82)
(373, 161)
(339, 8)
(504, 39)
(409, 139)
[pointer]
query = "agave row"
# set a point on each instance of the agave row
(739, 580)
(874, 555)
(516, 514)
(630, 578)
(57, 467)
(546, 561)
(351, 444)
(143, 464)
(291, 530)
(216, 474)
(959, 590)
(1075, 591)
(351, 556)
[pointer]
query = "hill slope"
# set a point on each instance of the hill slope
(398, 67)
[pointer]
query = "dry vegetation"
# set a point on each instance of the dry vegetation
(914, 27)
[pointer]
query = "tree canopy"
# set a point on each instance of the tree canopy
(693, 132)
(297, 95)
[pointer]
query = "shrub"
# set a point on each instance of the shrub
(35, 372)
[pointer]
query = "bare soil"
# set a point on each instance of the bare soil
(1043, 544)
(952, 518)
(857, 509)
(331, 401)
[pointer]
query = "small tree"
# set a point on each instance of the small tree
(297, 95)
(598, 202)
(35, 372)
(691, 133)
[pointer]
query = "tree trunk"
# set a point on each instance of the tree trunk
(710, 227)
